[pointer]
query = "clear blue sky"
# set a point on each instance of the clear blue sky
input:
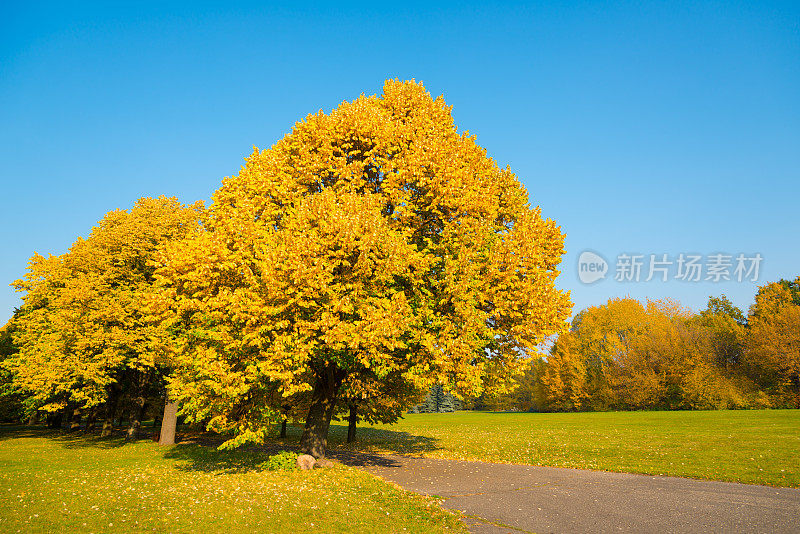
(640, 127)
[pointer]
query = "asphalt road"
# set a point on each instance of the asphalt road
(503, 498)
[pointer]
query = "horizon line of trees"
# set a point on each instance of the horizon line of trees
(629, 355)
(622, 355)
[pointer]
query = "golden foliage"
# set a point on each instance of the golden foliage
(773, 341)
(564, 378)
(372, 240)
(629, 355)
(84, 317)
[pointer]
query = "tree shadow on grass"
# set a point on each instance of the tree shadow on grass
(205, 457)
(82, 440)
(18, 431)
(368, 440)
(197, 451)
(209, 459)
(202, 454)
(381, 440)
(70, 439)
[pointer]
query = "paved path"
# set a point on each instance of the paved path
(516, 498)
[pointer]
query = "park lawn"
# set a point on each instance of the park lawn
(750, 446)
(54, 482)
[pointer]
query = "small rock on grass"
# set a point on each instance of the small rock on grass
(305, 462)
(323, 462)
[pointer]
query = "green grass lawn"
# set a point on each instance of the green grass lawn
(50, 481)
(53, 482)
(752, 446)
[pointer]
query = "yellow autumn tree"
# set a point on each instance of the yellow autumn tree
(84, 336)
(603, 336)
(772, 349)
(371, 240)
(726, 324)
(564, 378)
(651, 355)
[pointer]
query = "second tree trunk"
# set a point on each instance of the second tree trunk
(169, 423)
(323, 403)
(352, 419)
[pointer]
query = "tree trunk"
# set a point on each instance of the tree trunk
(168, 423)
(133, 428)
(34, 418)
(66, 417)
(111, 410)
(323, 403)
(91, 419)
(75, 420)
(283, 429)
(137, 413)
(108, 427)
(352, 419)
(54, 420)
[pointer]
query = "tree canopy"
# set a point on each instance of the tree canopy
(84, 330)
(371, 241)
(773, 339)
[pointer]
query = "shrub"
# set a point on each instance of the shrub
(283, 461)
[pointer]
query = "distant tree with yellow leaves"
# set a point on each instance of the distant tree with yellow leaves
(772, 350)
(604, 336)
(632, 355)
(564, 378)
(375, 240)
(84, 336)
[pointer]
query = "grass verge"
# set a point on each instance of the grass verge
(750, 446)
(53, 482)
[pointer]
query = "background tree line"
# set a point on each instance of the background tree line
(626, 355)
